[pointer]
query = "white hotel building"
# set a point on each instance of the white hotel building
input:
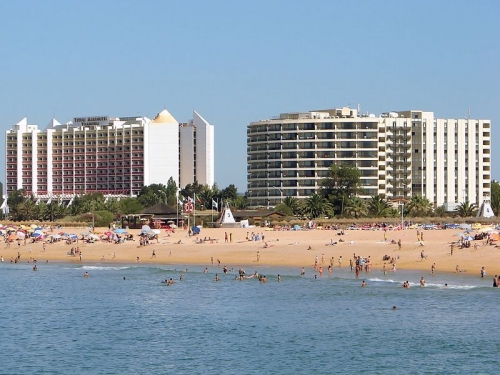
(399, 154)
(113, 156)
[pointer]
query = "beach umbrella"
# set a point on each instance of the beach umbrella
(21, 234)
(173, 226)
(56, 236)
(146, 229)
(196, 230)
(36, 235)
(73, 236)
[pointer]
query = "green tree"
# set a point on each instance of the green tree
(466, 209)
(284, 209)
(356, 207)
(317, 205)
(130, 206)
(230, 193)
(293, 204)
(379, 207)
(152, 194)
(495, 197)
(440, 211)
(419, 206)
(240, 202)
(343, 182)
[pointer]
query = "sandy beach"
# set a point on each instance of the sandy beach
(284, 248)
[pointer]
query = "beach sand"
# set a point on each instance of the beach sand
(285, 249)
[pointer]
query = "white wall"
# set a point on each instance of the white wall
(186, 155)
(161, 156)
(204, 150)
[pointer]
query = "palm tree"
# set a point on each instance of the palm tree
(419, 206)
(317, 205)
(356, 207)
(466, 209)
(440, 211)
(379, 207)
(292, 203)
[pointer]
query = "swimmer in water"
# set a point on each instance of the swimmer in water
(86, 274)
(363, 284)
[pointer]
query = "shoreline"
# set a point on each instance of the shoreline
(286, 249)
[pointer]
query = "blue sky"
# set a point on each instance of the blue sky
(240, 61)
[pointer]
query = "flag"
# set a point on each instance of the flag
(179, 201)
(190, 200)
(214, 203)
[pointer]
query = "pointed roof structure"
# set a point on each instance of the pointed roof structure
(197, 117)
(164, 117)
(485, 210)
(52, 124)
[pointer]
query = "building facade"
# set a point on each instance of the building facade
(113, 156)
(197, 152)
(399, 155)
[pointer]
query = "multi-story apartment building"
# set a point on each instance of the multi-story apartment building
(399, 154)
(114, 156)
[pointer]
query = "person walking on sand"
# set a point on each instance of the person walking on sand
(340, 261)
(483, 272)
(422, 256)
(153, 255)
(399, 244)
(433, 268)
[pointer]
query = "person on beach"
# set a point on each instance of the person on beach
(422, 256)
(153, 255)
(363, 284)
(86, 274)
(217, 278)
(35, 268)
(279, 278)
(303, 272)
(422, 281)
(399, 244)
(483, 272)
(495, 281)
(350, 264)
(258, 256)
(340, 261)
(205, 270)
(433, 268)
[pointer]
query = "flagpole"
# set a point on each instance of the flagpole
(194, 210)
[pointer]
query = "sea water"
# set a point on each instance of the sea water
(124, 320)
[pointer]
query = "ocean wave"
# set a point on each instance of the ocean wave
(103, 268)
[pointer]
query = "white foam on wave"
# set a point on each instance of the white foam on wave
(376, 279)
(103, 268)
